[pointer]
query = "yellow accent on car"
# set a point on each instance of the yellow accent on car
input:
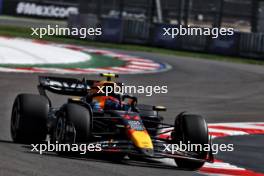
(76, 98)
(109, 76)
(159, 108)
(141, 139)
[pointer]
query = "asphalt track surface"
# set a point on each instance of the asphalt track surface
(220, 91)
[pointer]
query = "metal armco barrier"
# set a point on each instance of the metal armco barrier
(252, 45)
(160, 40)
(141, 32)
(135, 31)
(226, 45)
(111, 30)
(194, 43)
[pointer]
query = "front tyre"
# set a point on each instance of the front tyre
(192, 129)
(29, 118)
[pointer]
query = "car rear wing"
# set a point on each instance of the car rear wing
(63, 86)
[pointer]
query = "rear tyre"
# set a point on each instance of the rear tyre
(80, 117)
(192, 128)
(73, 126)
(29, 118)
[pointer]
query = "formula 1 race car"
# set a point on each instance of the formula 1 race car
(116, 121)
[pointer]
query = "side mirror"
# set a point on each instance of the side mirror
(159, 108)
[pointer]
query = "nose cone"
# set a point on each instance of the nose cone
(143, 142)
(147, 152)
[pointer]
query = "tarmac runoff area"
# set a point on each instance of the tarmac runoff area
(20, 51)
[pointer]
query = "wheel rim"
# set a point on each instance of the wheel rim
(15, 122)
(59, 133)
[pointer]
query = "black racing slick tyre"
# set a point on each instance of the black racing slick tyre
(29, 118)
(191, 129)
(78, 118)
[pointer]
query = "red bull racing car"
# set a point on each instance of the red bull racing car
(118, 122)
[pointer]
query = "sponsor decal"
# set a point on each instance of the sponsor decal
(65, 85)
(42, 10)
